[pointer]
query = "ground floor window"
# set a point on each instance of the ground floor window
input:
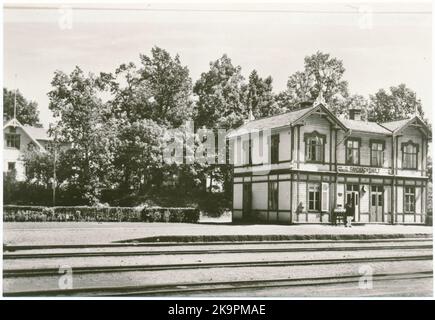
(11, 166)
(273, 195)
(313, 197)
(409, 199)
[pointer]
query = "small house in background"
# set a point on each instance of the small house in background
(19, 139)
(305, 165)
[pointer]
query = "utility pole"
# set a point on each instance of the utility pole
(15, 98)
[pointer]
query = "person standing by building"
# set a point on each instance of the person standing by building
(350, 210)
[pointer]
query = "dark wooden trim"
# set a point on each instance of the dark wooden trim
(314, 134)
(297, 194)
(299, 146)
(330, 147)
(250, 150)
(292, 143)
(260, 164)
(291, 198)
(423, 166)
(269, 182)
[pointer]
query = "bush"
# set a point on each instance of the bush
(214, 204)
(103, 214)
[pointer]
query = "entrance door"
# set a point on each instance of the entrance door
(376, 204)
(247, 201)
(352, 196)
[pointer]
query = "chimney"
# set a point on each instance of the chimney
(355, 114)
(250, 117)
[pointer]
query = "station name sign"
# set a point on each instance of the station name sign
(364, 170)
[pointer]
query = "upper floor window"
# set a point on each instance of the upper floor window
(274, 149)
(247, 155)
(273, 195)
(409, 199)
(377, 153)
(314, 147)
(409, 155)
(352, 151)
(12, 140)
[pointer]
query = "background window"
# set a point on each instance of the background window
(377, 154)
(352, 151)
(12, 140)
(273, 196)
(409, 199)
(314, 197)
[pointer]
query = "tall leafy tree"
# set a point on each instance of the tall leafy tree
(299, 86)
(27, 111)
(75, 102)
(260, 97)
(130, 98)
(220, 95)
(394, 104)
(138, 153)
(221, 103)
(321, 73)
(169, 87)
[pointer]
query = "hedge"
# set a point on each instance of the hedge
(100, 214)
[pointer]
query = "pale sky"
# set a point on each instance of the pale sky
(393, 45)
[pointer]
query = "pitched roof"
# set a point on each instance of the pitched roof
(363, 126)
(394, 125)
(15, 123)
(275, 121)
(289, 118)
(38, 133)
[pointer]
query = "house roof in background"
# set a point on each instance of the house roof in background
(394, 125)
(38, 133)
(365, 126)
(15, 123)
(275, 121)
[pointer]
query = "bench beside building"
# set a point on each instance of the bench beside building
(299, 167)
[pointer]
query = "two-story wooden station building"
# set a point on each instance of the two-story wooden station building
(299, 167)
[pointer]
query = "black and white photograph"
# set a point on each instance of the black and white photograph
(217, 150)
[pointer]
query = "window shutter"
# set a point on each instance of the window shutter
(325, 196)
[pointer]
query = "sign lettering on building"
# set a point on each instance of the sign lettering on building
(364, 170)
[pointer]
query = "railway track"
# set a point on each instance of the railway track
(37, 272)
(177, 289)
(10, 256)
(411, 258)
